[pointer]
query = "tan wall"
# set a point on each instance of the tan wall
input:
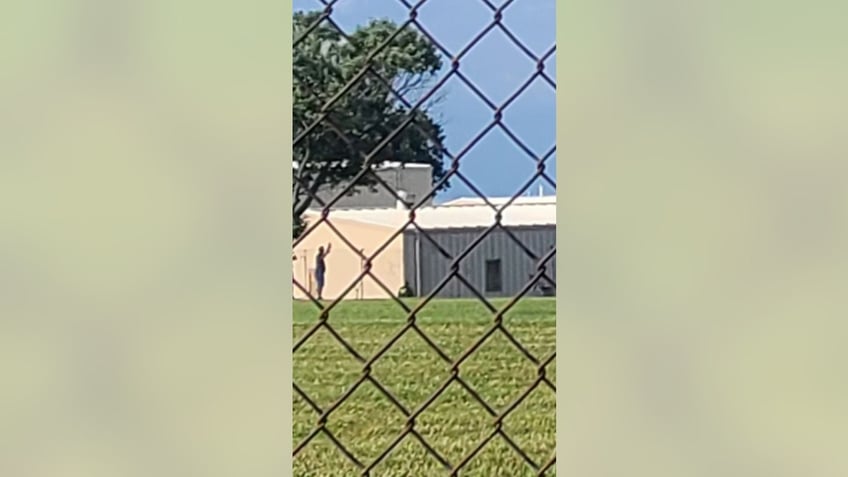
(344, 265)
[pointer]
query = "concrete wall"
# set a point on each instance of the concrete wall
(517, 267)
(344, 265)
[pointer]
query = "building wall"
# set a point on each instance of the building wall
(416, 181)
(344, 265)
(517, 267)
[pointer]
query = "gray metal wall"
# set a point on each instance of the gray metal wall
(416, 181)
(517, 267)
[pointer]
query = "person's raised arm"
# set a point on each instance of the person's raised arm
(329, 246)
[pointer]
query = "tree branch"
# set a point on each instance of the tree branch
(303, 204)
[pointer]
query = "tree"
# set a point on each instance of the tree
(334, 151)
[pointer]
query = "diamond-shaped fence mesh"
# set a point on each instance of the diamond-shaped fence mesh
(414, 384)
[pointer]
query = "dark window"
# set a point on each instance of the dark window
(493, 276)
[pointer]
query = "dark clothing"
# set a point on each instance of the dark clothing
(320, 269)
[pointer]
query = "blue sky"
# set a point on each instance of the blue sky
(495, 165)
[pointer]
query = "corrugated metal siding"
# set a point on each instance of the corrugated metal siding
(517, 267)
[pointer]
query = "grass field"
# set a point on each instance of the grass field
(368, 422)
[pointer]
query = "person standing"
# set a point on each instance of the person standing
(321, 269)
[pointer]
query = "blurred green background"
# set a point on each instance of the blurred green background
(702, 231)
(143, 252)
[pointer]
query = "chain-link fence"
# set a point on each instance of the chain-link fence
(361, 100)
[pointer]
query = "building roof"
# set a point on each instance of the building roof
(462, 213)
(499, 201)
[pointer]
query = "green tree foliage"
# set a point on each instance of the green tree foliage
(367, 113)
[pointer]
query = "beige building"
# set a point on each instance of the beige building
(343, 262)
(498, 266)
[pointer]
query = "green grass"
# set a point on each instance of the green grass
(367, 422)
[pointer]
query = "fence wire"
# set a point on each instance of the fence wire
(370, 157)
